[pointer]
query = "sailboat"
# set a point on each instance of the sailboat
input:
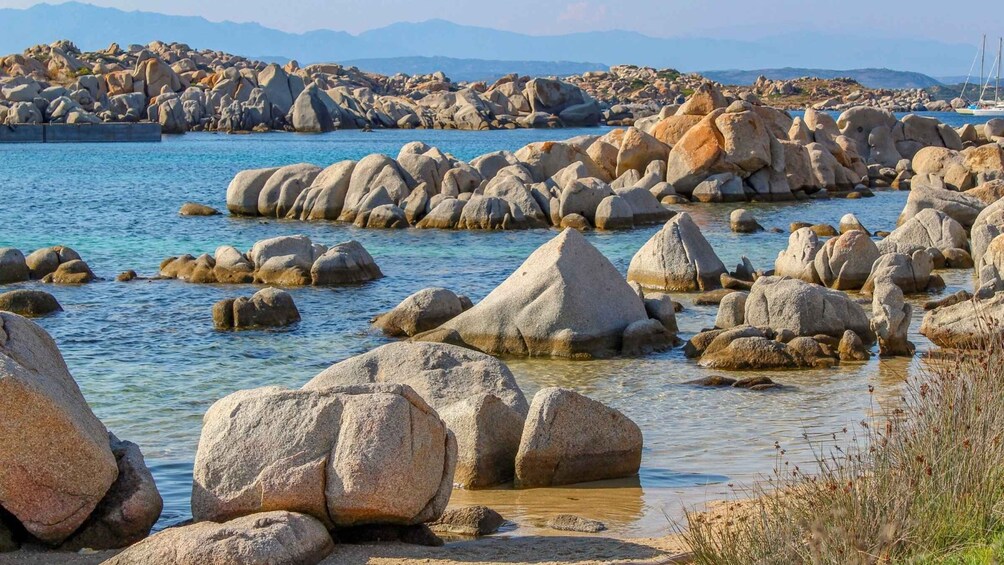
(985, 107)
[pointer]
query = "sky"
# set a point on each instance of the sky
(736, 19)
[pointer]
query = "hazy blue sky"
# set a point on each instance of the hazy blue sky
(931, 19)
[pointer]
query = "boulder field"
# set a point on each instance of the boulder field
(369, 448)
(708, 150)
(183, 89)
(284, 261)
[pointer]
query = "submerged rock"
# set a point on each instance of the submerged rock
(269, 307)
(29, 303)
(573, 523)
(470, 521)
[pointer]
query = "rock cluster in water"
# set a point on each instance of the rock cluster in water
(369, 448)
(285, 261)
(710, 149)
(59, 265)
(184, 89)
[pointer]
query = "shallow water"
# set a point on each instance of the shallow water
(149, 362)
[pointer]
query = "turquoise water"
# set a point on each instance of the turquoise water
(149, 362)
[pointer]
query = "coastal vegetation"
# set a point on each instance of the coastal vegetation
(919, 482)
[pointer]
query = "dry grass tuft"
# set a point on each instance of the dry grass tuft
(922, 484)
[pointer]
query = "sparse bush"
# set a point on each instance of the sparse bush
(922, 482)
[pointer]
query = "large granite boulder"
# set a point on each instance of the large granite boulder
(805, 309)
(970, 324)
(844, 262)
(474, 393)
(961, 207)
(928, 228)
(373, 454)
(911, 273)
(569, 438)
(245, 189)
(798, 260)
(276, 537)
(325, 197)
(57, 461)
(283, 187)
(344, 263)
(13, 267)
(678, 259)
(130, 508)
(549, 306)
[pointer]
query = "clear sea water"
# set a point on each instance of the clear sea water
(149, 362)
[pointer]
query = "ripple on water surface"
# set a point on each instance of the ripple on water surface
(149, 362)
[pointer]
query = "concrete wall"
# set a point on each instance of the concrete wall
(83, 133)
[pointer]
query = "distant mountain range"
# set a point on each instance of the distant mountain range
(871, 78)
(92, 27)
(472, 69)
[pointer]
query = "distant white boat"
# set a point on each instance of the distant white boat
(986, 107)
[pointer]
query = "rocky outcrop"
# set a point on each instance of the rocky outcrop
(373, 454)
(569, 439)
(285, 261)
(548, 306)
(798, 260)
(267, 308)
(475, 394)
(969, 324)
(677, 258)
(29, 303)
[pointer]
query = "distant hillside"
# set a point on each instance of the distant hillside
(92, 27)
(871, 78)
(472, 69)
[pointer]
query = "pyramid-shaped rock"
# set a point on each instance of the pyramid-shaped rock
(677, 259)
(565, 300)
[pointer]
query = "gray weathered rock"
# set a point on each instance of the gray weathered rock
(366, 454)
(548, 306)
(569, 438)
(422, 311)
(677, 258)
(782, 303)
(267, 308)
